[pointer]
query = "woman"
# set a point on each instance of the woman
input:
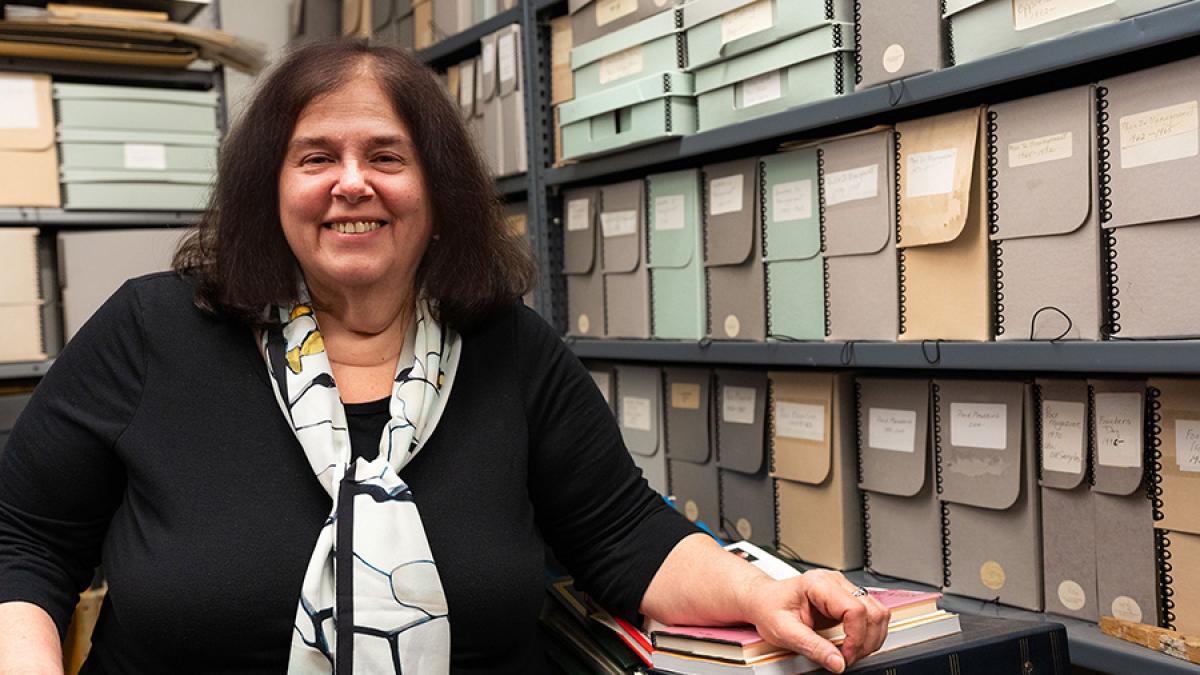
(246, 477)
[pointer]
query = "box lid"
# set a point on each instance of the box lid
(748, 25)
(674, 218)
(128, 176)
(829, 38)
(741, 405)
(688, 414)
(790, 212)
(730, 210)
(801, 425)
(98, 92)
(1044, 164)
(1118, 421)
(657, 26)
(75, 135)
(28, 121)
(1063, 434)
(622, 226)
(937, 161)
(893, 423)
(858, 183)
(579, 230)
(639, 407)
(980, 426)
(651, 88)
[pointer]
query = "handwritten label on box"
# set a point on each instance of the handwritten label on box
(685, 396)
(979, 425)
(619, 223)
(1187, 444)
(507, 46)
(668, 213)
(20, 108)
(725, 195)
(1032, 13)
(1062, 436)
(608, 11)
(1119, 429)
(1040, 150)
(1160, 135)
(792, 201)
(802, 421)
(737, 405)
(930, 173)
(623, 64)
(578, 211)
(762, 89)
(889, 429)
(851, 185)
(145, 156)
(635, 413)
(753, 18)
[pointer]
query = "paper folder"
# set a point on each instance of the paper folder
(692, 463)
(676, 255)
(795, 270)
(639, 411)
(581, 263)
(747, 493)
(626, 275)
(733, 252)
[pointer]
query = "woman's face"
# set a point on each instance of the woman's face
(352, 196)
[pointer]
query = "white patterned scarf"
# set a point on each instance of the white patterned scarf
(372, 600)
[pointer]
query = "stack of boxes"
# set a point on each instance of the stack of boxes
(490, 93)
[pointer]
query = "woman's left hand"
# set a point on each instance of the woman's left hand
(787, 613)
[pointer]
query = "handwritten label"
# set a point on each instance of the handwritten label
(889, 429)
(979, 425)
(685, 396)
(608, 11)
(1062, 436)
(577, 215)
(802, 421)
(1071, 595)
(893, 58)
(753, 18)
(621, 65)
(619, 223)
(603, 382)
(1040, 150)
(762, 89)
(668, 213)
(725, 195)
(737, 405)
(635, 413)
(20, 109)
(852, 185)
(1160, 135)
(1119, 429)
(145, 156)
(507, 45)
(1187, 444)
(930, 173)
(792, 201)
(1126, 609)
(1032, 13)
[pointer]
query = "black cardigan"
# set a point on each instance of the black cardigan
(155, 446)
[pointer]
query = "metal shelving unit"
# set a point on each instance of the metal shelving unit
(63, 218)
(512, 186)
(78, 71)
(465, 44)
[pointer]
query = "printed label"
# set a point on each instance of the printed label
(1187, 444)
(621, 65)
(744, 529)
(802, 421)
(893, 58)
(1040, 150)
(992, 575)
(507, 45)
(691, 510)
(685, 396)
(1062, 436)
(737, 405)
(585, 324)
(762, 89)
(753, 18)
(931, 173)
(889, 429)
(1032, 13)
(577, 215)
(608, 11)
(145, 156)
(725, 195)
(1160, 135)
(619, 223)
(668, 212)
(603, 381)
(851, 185)
(979, 425)
(1119, 429)
(635, 413)
(1071, 595)
(792, 201)
(1126, 609)
(733, 326)
(20, 109)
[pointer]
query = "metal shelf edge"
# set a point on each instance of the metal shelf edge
(60, 217)
(440, 52)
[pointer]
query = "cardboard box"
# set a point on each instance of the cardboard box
(902, 517)
(860, 236)
(692, 463)
(898, 39)
(733, 256)
(1047, 216)
(655, 45)
(135, 190)
(28, 156)
(626, 276)
(644, 111)
(19, 266)
(747, 490)
(92, 106)
(810, 67)
(795, 271)
(510, 91)
(134, 150)
(676, 255)
(562, 82)
(813, 459)
(1154, 199)
(592, 19)
(639, 413)
(721, 29)
(581, 263)
(943, 228)
(992, 509)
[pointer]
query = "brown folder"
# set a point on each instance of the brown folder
(1175, 425)
(902, 517)
(1048, 223)
(626, 275)
(639, 411)
(28, 155)
(943, 228)
(733, 252)
(813, 459)
(581, 263)
(860, 238)
(989, 486)
(747, 493)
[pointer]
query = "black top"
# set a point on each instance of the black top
(155, 445)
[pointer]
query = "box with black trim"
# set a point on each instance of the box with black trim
(695, 483)
(791, 245)
(747, 489)
(638, 392)
(896, 39)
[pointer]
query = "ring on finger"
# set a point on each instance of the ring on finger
(859, 592)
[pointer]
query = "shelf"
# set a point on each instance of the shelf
(466, 44)
(1176, 357)
(1089, 647)
(104, 73)
(960, 86)
(62, 218)
(23, 370)
(512, 186)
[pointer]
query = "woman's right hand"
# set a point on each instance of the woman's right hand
(29, 643)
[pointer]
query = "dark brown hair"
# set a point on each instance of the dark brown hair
(239, 256)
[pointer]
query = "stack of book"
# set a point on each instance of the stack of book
(584, 639)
